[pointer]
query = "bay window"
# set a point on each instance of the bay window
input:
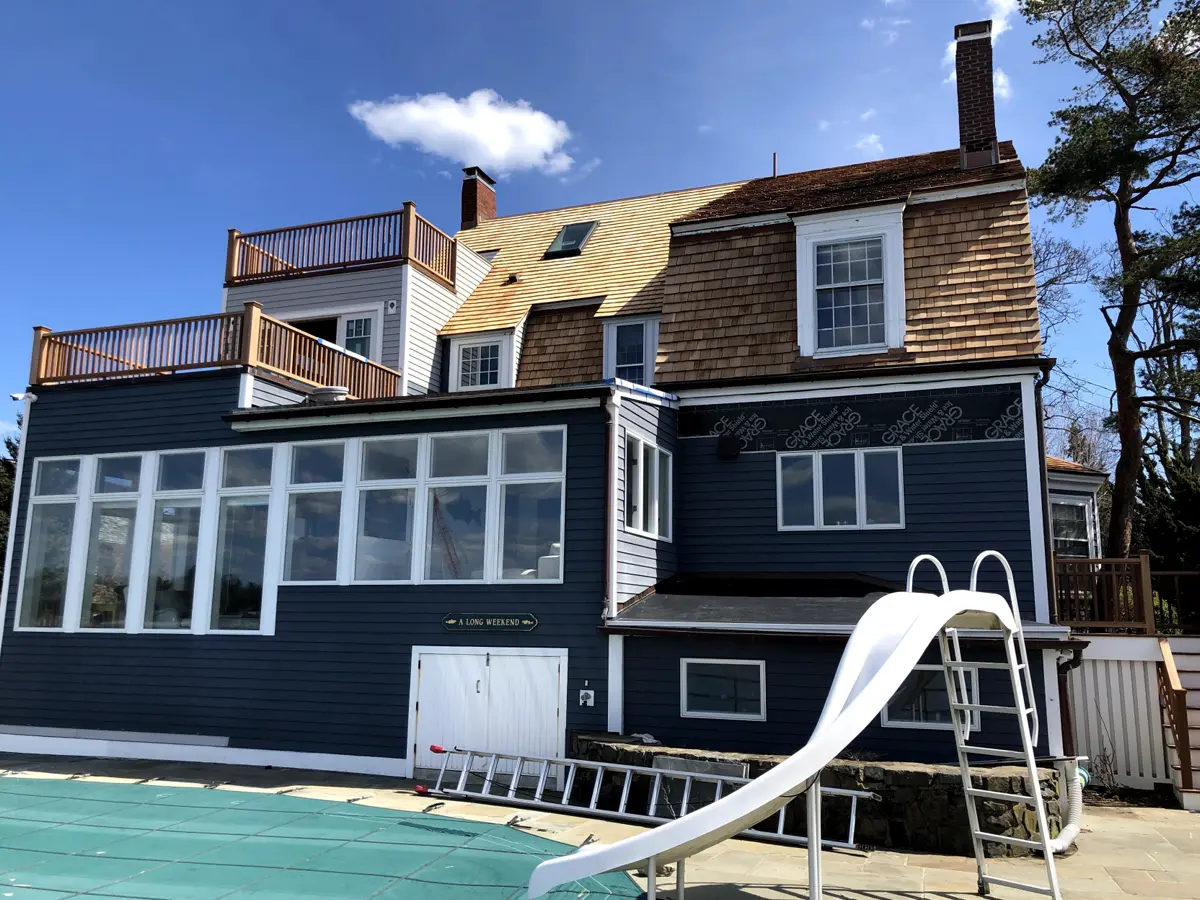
(846, 489)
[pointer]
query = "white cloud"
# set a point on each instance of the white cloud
(582, 172)
(867, 24)
(703, 129)
(869, 145)
(999, 11)
(443, 173)
(823, 125)
(482, 129)
(1001, 85)
(867, 116)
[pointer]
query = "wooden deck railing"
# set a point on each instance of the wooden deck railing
(1174, 700)
(1105, 594)
(323, 247)
(1177, 601)
(247, 338)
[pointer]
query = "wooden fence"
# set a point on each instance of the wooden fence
(247, 339)
(323, 247)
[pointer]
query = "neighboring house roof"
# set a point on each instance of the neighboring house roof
(856, 185)
(1058, 464)
(622, 263)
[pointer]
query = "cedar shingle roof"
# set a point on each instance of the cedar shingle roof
(622, 263)
(1058, 464)
(856, 185)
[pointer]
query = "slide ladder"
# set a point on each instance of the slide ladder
(964, 708)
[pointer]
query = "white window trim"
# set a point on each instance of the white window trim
(74, 565)
(1090, 514)
(373, 311)
(818, 488)
(503, 338)
(886, 222)
(685, 713)
(643, 443)
(315, 487)
(649, 344)
(972, 688)
(155, 495)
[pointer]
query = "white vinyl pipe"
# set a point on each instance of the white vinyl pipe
(1074, 811)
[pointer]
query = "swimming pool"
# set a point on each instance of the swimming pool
(75, 838)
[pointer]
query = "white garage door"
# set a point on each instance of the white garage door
(499, 700)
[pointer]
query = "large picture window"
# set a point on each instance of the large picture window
(846, 489)
(314, 512)
(723, 689)
(647, 488)
(243, 512)
(48, 543)
(175, 540)
(109, 561)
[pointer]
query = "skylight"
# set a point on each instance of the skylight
(571, 239)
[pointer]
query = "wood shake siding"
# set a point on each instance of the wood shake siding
(563, 346)
(730, 303)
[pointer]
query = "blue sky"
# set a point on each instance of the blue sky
(137, 133)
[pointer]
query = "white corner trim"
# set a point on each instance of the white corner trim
(1054, 732)
(616, 683)
(973, 190)
(408, 415)
(202, 753)
(643, 394)
(12, 518)
(886, 222)
(1034, 460)
(246, 391)
(708, 226)
(405, 307)
(614, 474)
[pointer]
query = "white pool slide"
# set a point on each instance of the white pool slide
(887, 643)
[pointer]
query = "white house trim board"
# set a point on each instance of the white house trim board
(1054, 732)
(414, 681)
(616, 683)
(886, 222)
(682, 229)
(974, 190)
(885, 384)
(202, 753)
(18, 480)
(408, 415)
(1034, 460)
(1033, 631)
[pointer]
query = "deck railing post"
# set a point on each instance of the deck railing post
(1147, 591)
(409, 229)
(37, 360)
(251, 329)
(231, 254)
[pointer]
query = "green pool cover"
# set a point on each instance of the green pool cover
(61, 839)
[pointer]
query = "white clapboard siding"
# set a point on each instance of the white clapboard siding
(1116, 710)
(430, 306)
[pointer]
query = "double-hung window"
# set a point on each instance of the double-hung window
(647, 488)
(630, 348)
(48, 542)
(850, 287)
(848, 489)
(243, 512)
(386, 509)
(922, 702)
(1072, 527)
(723, 689)
(175, 539)
(314, 512)
(110, 548)
(531, 504)
(479, 362)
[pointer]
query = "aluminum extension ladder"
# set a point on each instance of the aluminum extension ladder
(485, 784)
(963, 707)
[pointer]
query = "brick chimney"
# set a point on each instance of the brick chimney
(478, 197)
(976, 103)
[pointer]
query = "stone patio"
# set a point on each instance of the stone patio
(1122, 852)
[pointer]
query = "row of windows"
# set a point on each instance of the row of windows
(197, 540)
(840, 489)
(737, 689)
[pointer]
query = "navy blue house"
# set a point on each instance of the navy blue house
(632, 467)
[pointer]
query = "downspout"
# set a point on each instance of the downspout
(1070, 781)
(1048, 545)
(29, 399)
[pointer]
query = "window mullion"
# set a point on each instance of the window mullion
(421, 525)
(860, 489)
(348, 512)
(143, 534)
(277, 514)
(206, 544)
(650, 506)
(818, 492)
(73, 602)
(491, 519)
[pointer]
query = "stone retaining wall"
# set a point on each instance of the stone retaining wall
(921, 806)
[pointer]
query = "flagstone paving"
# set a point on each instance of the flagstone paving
(321, 845)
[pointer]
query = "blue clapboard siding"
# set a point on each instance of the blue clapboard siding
(643, 561)
(959, 499)
(335, 676)
(799, 674)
